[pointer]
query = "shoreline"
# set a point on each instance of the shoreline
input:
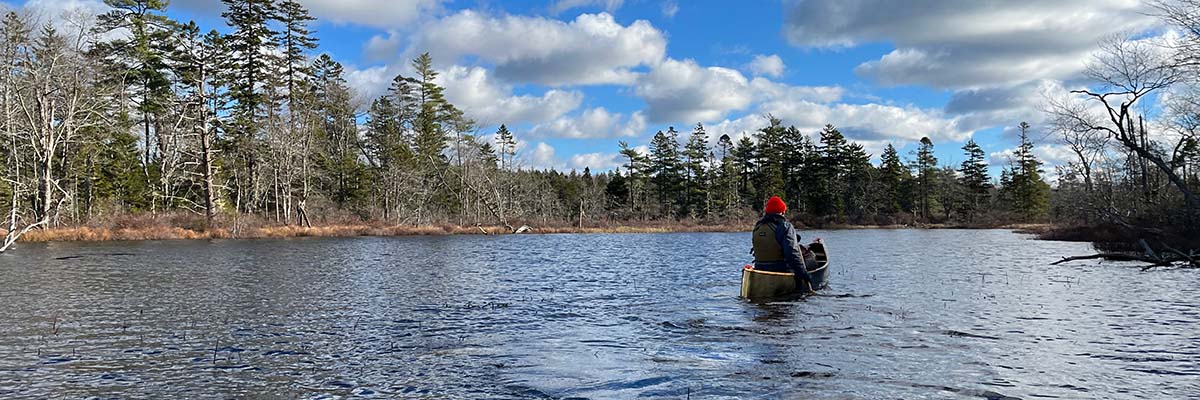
(153, 233)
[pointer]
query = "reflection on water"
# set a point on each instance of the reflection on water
(940, 313)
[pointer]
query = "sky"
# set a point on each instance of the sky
(571, 78)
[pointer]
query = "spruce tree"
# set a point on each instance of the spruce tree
(926, 167)
(697, 182)
(770, 160)
(139, 60)
(892, 176)
(666, 170)
(975, 181)
(1031, 194)
(249, 67)
(745, 164)
(832, 168)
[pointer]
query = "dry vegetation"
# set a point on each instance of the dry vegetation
(188, 227)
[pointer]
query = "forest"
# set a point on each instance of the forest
(131, 115)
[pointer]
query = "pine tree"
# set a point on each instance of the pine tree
(139, 61)
(975, 181)
(296, 40)
(859, 181)
(507, 146)
(745, 165)
(831, 170)
(926, 167)
(344, 179)
(635, 176)
(1031, 194)
(697, 182)
(770, 160)
(666, 170)
(892, 175)
(248, 71)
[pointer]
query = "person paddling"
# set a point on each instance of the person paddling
(776, 245)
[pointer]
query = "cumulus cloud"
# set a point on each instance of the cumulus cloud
(591, 49)
(685, 91)
(872, 125)
(947, 43)
(379, 14)
(773, 91)
(473, 90)
(383, 47)
(560, 6)
(593, 123)
(595, 162)
(487, 102)
(764, 65)
(542, 156)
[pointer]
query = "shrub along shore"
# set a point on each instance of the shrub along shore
(185, 228)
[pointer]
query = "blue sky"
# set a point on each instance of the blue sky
(573, 77)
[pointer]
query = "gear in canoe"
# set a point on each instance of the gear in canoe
(781, 265)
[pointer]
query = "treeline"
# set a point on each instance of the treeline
(133, 112)
(827, 180)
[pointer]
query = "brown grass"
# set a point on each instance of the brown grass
(158, 230)
(190, 227)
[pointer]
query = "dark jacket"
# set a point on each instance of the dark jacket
(776, 247)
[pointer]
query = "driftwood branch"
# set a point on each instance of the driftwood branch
(1151, 262)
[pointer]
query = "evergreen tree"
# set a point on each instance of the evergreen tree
(1031, 194)
(975, 181)
(697, 182)
(666, 170)
(296, 40)
(344, 177)
(893, 176)
(831, 168)
(139, 60)
(744, 162)
(507, 146)
(925, 166)
(635, 176)
(859, 180)
(249, 69)
(770, 160)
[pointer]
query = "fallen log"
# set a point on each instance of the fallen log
(1113, 257)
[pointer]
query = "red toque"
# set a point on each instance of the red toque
(775, 205)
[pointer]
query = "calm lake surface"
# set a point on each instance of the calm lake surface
(909, 314)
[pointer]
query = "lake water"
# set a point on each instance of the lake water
(909, 314)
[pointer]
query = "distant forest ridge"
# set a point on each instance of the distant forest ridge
(167, 118)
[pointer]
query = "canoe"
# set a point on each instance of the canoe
(765, 284)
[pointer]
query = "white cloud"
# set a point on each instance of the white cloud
(66, 15)
(542, 157)
(736, 128)
(373, 13)
(872, 125)
(684, 91)
(591, 49)
(383, 48)
(767, 90)
(596, 162)
(560, 6)
(593, 123)
(764, 65)
(487, 102)
(949, 43)
(670, 8)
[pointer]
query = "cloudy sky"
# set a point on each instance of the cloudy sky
(572, 77)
